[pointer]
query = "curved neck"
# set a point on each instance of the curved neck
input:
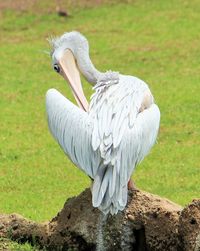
(86, 66)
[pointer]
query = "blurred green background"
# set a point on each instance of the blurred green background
(157, 41)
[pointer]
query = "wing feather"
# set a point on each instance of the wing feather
(72, 128)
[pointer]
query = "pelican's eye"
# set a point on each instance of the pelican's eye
(56, 68)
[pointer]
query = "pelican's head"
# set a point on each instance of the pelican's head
(65, 51)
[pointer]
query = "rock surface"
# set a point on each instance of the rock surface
(149, 223)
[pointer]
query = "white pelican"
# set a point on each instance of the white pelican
(109, 137)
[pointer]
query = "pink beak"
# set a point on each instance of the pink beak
(70, 73)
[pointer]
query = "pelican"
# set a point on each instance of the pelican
(110, 136)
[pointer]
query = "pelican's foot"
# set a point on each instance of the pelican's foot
(131, 185)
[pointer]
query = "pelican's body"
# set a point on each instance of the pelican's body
(108, 139)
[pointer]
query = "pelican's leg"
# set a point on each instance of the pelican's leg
(131, 185)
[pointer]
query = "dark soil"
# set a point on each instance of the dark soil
(149, 223)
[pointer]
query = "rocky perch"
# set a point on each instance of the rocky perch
(149, 223)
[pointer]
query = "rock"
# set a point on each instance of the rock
(189, 227)
(148, 223)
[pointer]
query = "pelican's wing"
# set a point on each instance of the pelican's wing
(138, 141)
(114, 108)
(134, 146)
(123, 134)
(72, 128)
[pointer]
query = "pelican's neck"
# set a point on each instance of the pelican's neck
(86, 66)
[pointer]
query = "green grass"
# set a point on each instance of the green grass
(155, 40)
(7, 245)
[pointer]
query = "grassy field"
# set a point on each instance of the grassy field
(157, 40)
(7, 245)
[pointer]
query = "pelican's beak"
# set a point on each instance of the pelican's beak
(70, 72)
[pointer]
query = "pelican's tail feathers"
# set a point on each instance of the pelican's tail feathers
(100, 185)
(107, 193)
